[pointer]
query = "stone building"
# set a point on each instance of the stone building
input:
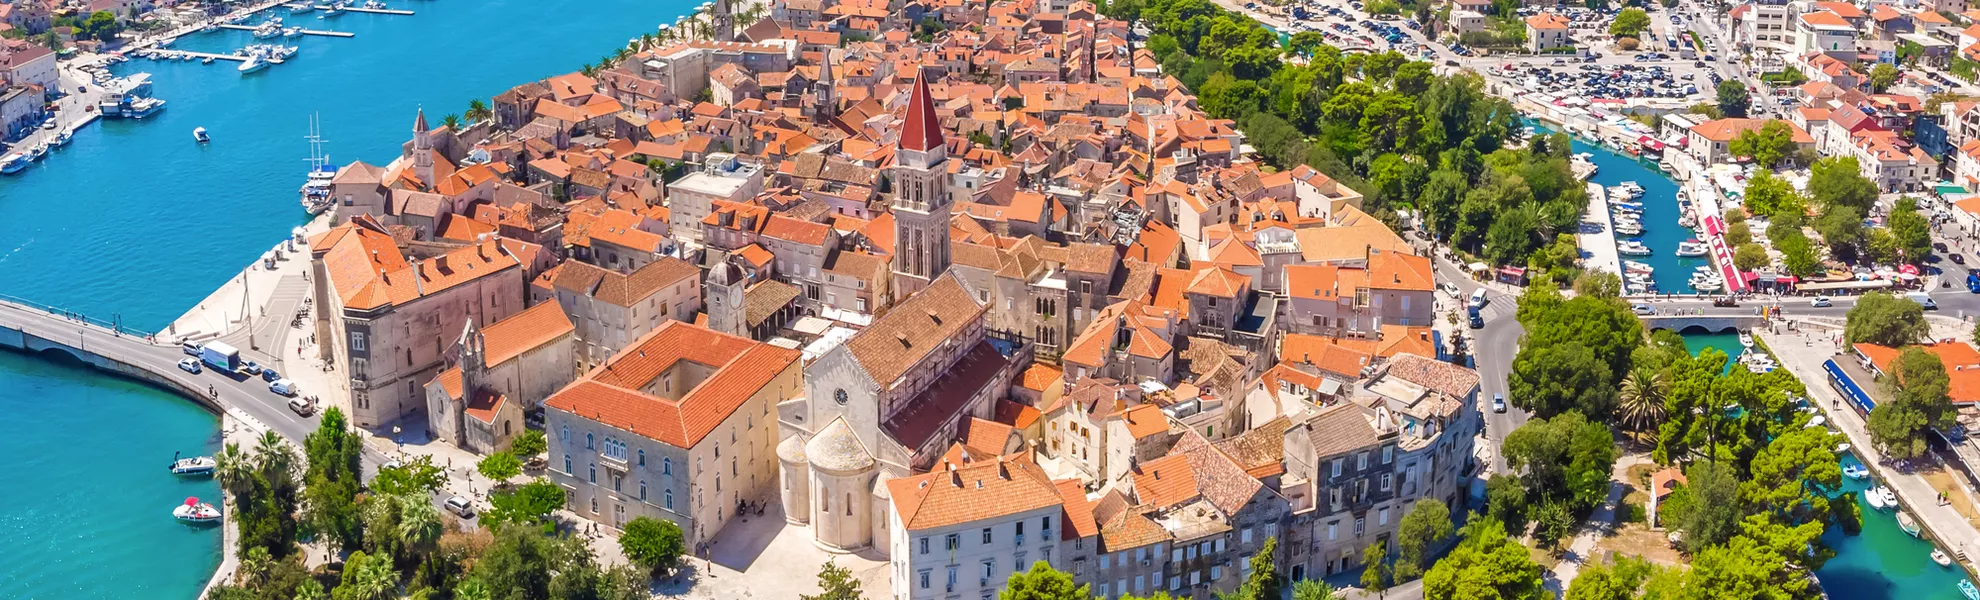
(498, 374)
(677, 426)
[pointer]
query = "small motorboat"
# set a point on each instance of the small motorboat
(1907, 523)
(1842, 448)
(1816, 422)
(63, 138)
(1939, 556)
(1632, 248)
(1966, 589)
(1858, 472)
(199, 135)
(196, 465)
(1746, 339)
(1884, 493)
(13, 163)
(1693, 248)
(1875, 500)
(1638, 266)
(194, 511)
(1629, 228)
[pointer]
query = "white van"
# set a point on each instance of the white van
(283, 387)
(1478, 298)
(1923, 299)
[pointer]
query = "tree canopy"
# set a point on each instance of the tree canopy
(1631, 22)
(1733, 98)
(1885, 320)
(654, 544)
(1919, 393)
(1487, 564)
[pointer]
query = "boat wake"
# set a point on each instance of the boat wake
(17, 249)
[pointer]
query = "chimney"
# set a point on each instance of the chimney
(1003, 469)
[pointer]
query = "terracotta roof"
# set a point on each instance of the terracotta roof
(624, 289)
(611, 394)
(1961, 361)
(1445, 378)
(1165, 481)
(1548, 21)
(971, 493)
(922, 131)
(797, 231)
(1324, 353)
(1078, 516)
(914, 329)
(1260, 450)
(1041, 376)
(1218, 281)
(524, 331)
(1145, 420)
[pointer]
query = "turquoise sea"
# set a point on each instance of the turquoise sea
(134, 221)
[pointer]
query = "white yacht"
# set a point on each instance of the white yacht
(194, 511)
(252, 64)
(1629, 228)
(195, 465)
(1707, 285)
(1632, 248)
(1693, 248)
(1746, 339)
(1874, 499)
(199, 135)
(1890, 499)
(1636, 266)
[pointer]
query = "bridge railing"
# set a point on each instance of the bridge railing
(71, 315)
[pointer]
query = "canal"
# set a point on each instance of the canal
(1661, 231)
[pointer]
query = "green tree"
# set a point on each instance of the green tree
(529, 503)
(1919, 400)
(1313, 589)
(516, 565)
(1740, 569)
(1749, 257)
(1715, 510)
(1568, 377)
(1769, 145)
(101, 25)
(1617, 580)
(1882, 76)
(1629, 23)
(1375, 567)
(1733, 98)
(330, 497)
(1043, 582)
(530, 443)
(1911, 232)
(367, 578)
(1487, 564)
(1640, 402)
(1427, 523)
(837, 583)
(1505, 501)
(500, 467)
(1839, 181)
(1885, 320)
(478, 111)
(1767, 194)
(417, 475)
(1600, 284)
(1566, 458)
(1739, 234)
(653, 544)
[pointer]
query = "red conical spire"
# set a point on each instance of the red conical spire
(923, 131)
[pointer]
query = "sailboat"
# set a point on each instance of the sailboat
(315, 190)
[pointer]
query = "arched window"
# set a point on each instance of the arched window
(668, 496)
(567, 465)
(642, 490)
(849, 505)
(594, 472)
(564, 434)
(666, 466)
(642, 457)
(588, 442)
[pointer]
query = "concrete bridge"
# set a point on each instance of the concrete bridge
(66, 336)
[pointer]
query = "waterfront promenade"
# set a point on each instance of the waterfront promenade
(1598, 233)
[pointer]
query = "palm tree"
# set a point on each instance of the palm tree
(275, 458)
(255, 564)
(452, 121)
(373, 579)
(233, 469)
(477, 110)
(1640, 403)
(311, 590)
(419, 525)
(471, 589)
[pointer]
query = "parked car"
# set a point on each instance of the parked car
(460, 507)
(270, 375)
(251, 368)
(190, 365)
(302, 406)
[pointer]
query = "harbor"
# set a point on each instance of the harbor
(80, 237)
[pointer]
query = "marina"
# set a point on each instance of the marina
(337, 34)
(105, 251)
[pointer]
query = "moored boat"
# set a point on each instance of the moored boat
(194, 511)
(252, 64)
(1966, 589)
(1890, 499)
(1856, 471)
(1939, 556)
(1632, 248)
(1907, 523)
(13, 163)
(1872, 498)
(1692, 248)
(194, 465)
